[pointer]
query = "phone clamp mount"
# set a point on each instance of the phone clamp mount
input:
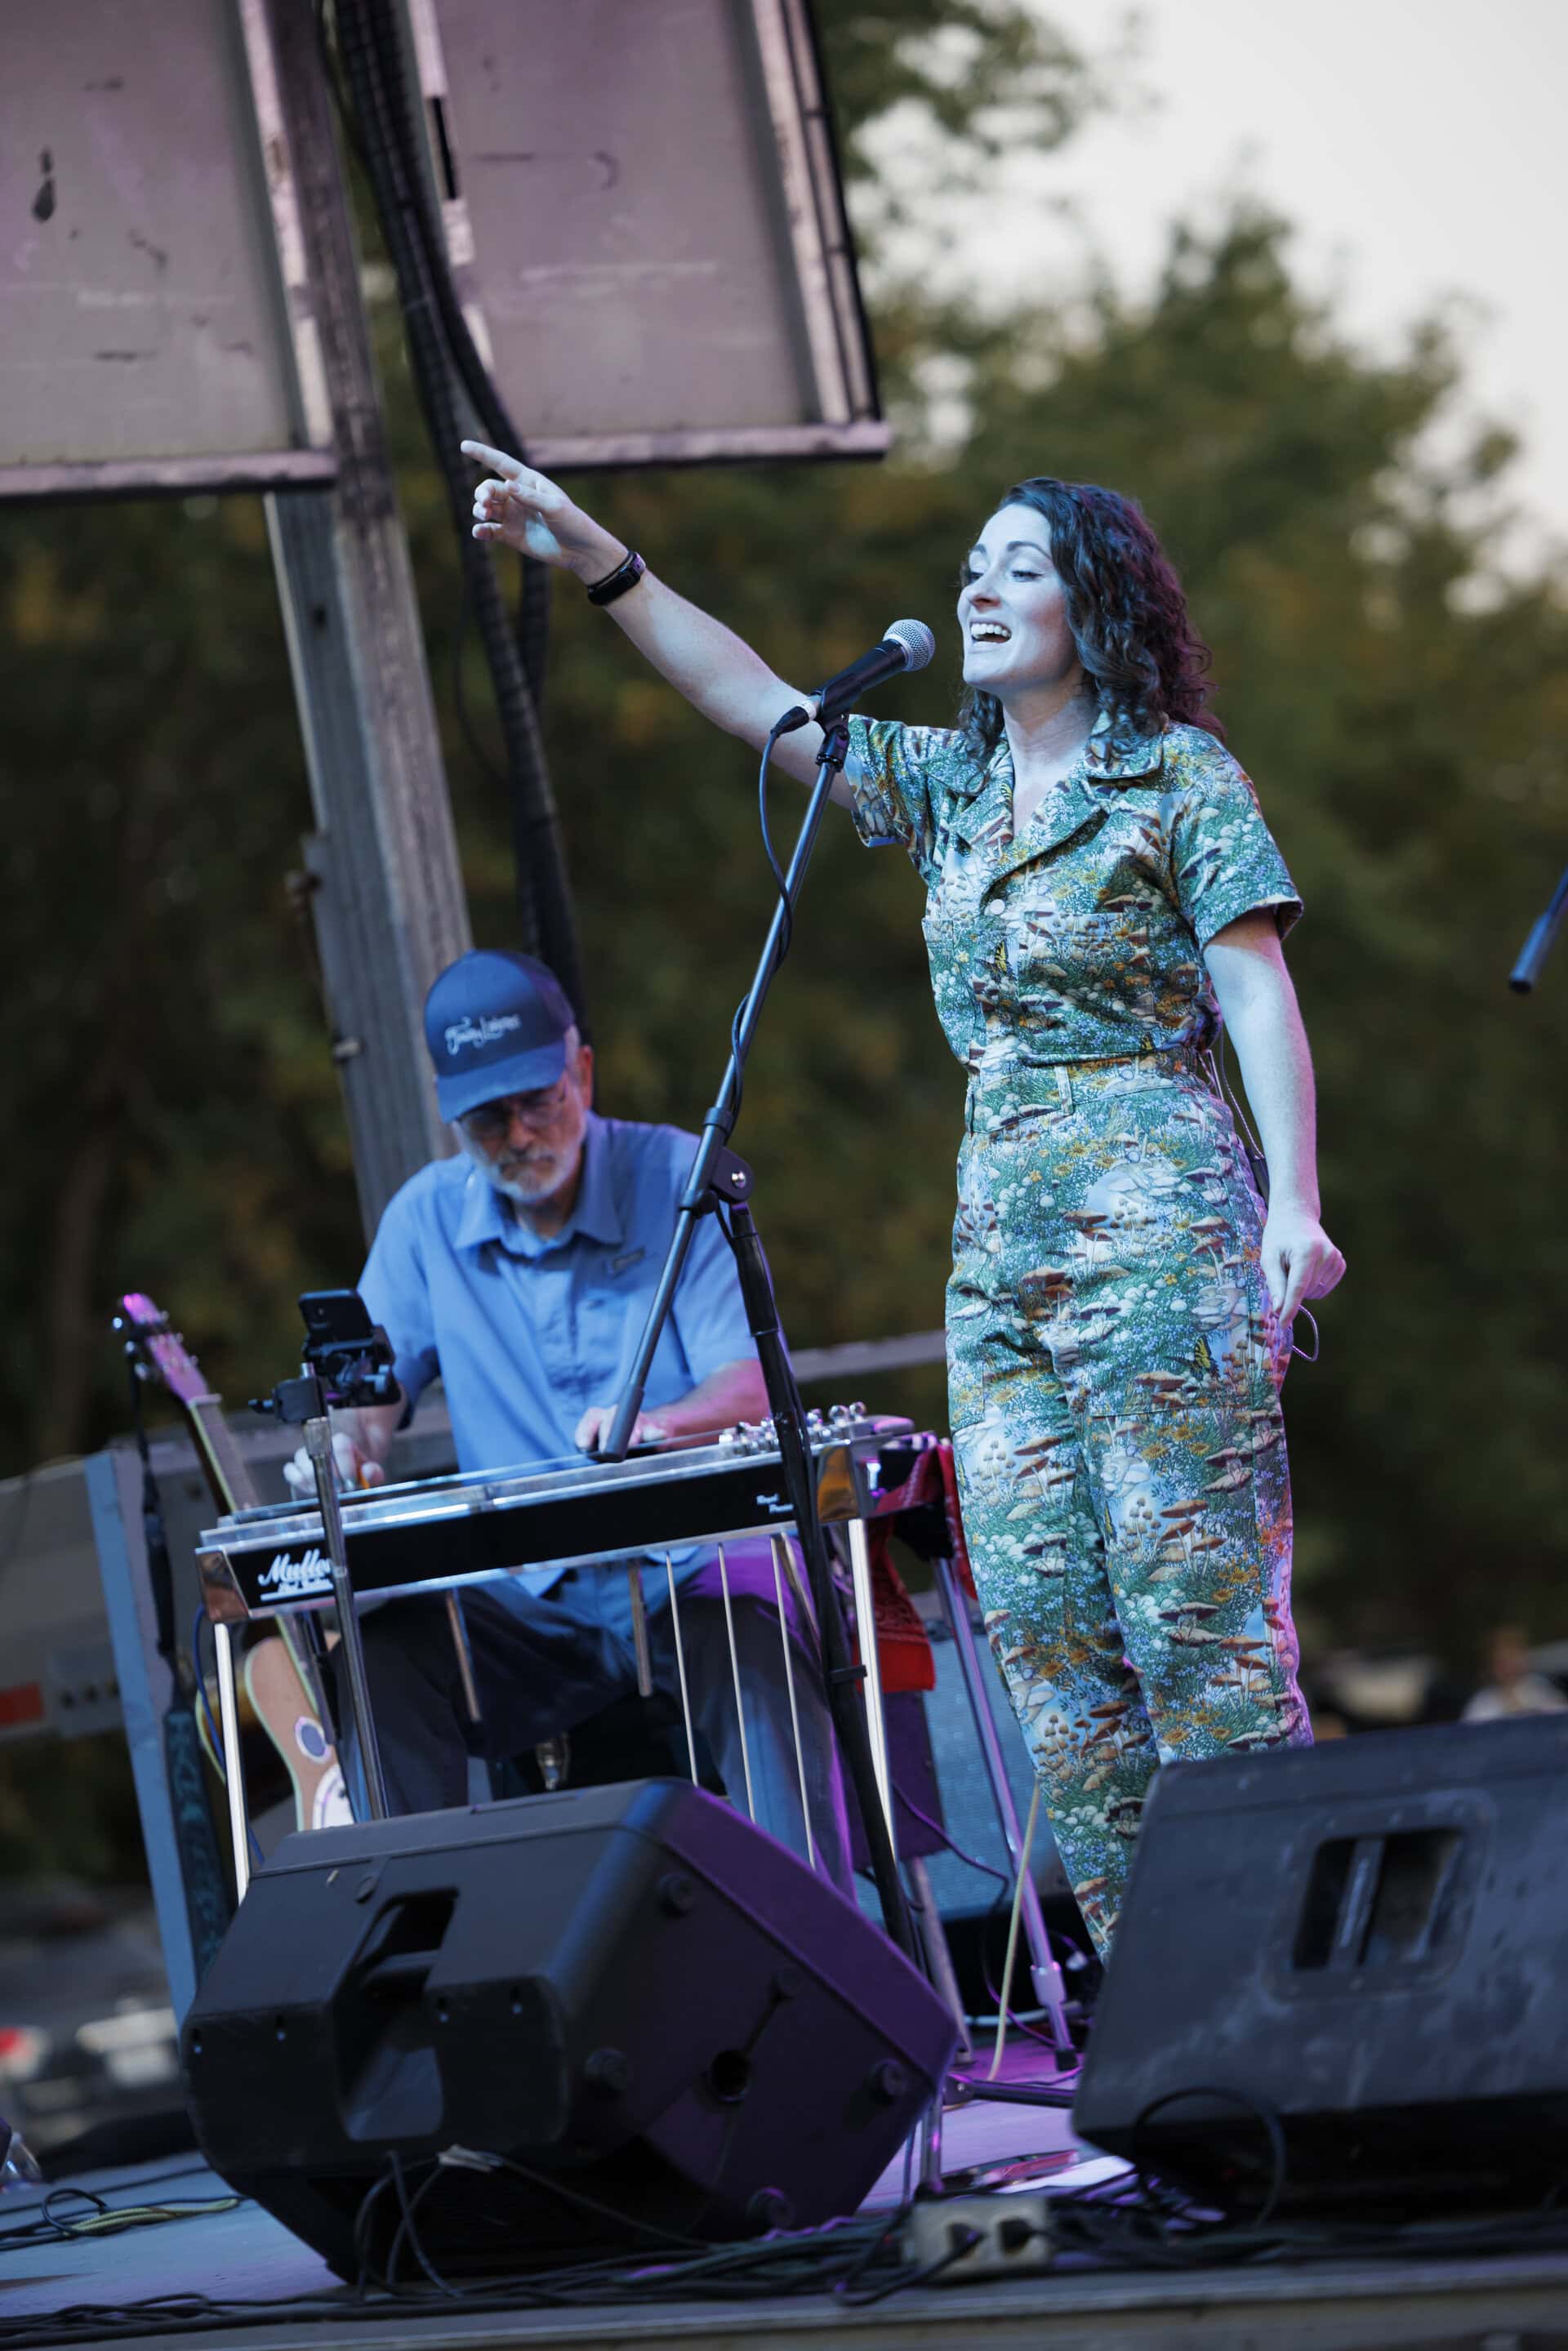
(346, 1362)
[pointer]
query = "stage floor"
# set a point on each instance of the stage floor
(1508, 2303)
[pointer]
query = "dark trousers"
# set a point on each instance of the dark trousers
(544, 1664)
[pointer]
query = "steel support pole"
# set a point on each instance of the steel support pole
(389, 906)
(233, 1762)
(865, 1624)
(1044, 1973)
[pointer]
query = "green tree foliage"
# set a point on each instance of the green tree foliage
(980, 72)
(169, 1102)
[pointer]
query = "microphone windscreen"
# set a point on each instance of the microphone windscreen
(916, 639)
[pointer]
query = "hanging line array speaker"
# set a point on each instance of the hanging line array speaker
(623, 2014)
(1339, 1975)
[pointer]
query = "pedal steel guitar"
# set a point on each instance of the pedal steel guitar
(441, 1533)
(476, 1526)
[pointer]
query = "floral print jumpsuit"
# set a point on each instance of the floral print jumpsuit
(1114, 1358)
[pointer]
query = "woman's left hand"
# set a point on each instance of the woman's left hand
(1298, 1259)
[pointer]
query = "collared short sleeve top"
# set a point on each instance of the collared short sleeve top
(1081, 938)
(527, 1333)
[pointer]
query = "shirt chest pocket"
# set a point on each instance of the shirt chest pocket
(1084, 956)
(959, 920)
(940, 925)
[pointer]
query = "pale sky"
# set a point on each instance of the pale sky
(1421, 146)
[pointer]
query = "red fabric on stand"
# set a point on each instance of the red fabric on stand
(904, 1646)
(934, 1483)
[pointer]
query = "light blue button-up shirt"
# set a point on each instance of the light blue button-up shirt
(527, 1332)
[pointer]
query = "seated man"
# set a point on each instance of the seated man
(521, 1271)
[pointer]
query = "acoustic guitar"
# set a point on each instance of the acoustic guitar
(277, 1677)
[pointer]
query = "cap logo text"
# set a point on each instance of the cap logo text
(483, 1031)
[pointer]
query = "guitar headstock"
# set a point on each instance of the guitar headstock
(157, 1350)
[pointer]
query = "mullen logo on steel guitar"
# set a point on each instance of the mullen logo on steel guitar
(309, 1572)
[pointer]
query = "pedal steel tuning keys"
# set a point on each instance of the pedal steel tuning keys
(760, 1436)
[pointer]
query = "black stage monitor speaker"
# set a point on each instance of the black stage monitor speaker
(596, 2019)
(1367, 1940)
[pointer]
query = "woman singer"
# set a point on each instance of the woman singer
(1102, 894)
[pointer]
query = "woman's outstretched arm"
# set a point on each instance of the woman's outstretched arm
(1258, 1003)
(717, 673)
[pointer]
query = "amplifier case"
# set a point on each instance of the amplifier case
(1370, 1939)
(629, 1994)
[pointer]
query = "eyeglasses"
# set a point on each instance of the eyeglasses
(491, 1122)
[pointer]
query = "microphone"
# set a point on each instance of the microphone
(905, 645)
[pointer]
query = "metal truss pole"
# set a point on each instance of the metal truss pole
(389, 906)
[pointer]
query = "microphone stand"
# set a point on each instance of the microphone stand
(720, 1182)
(1533, 954)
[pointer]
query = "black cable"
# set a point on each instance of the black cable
(531, 625)
(406, 2227)
(971, 1860)
(1084, 2224)
(968, 2240)
(489, 407)
(1266, 2114)
(591, 2204)
(775, 2256)
(361, 2236)
(15, 2197)
(998, 2091)
(1016, 2020)
(371, 56)
(896, 2219)
(470, 732)
(533, 592)
(106, 2220)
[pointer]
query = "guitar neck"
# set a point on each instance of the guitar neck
(234, 1488)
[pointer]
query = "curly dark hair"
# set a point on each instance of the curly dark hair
(1141, 655)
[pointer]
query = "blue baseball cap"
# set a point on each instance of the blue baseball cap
(495, 1024)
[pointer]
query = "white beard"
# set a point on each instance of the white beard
(526, 1188)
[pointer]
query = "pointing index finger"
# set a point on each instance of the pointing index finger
(511, 469)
